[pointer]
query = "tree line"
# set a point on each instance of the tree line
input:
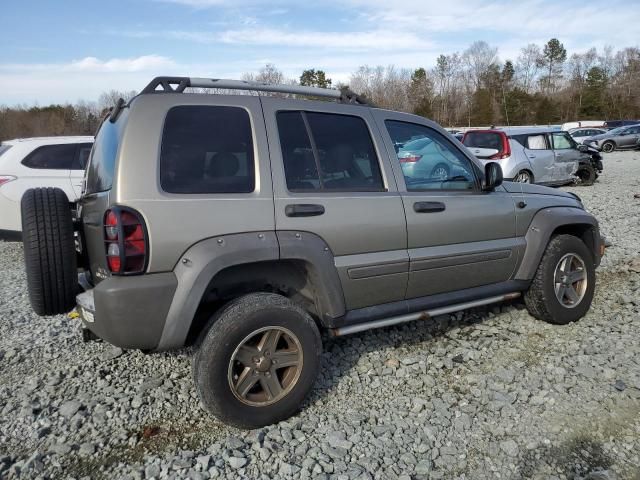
(543, 85)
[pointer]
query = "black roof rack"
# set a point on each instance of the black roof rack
(179, 84)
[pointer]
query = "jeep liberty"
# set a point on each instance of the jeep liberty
(245, 225)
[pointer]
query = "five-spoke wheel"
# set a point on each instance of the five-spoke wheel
(265, 366)
(257, 360)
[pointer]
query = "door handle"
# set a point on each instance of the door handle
(303, 210)
(428, 207)
(531, 156)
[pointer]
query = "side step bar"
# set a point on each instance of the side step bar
(422, 315)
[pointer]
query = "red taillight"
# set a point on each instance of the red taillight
(6, 179)
(125, 241)
(410, 159)
(505, 152)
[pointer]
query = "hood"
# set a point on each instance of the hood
(532, 189)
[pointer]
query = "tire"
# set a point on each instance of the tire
(608, 146)
(444, 171)
(541, 299)
(49, 251)
(523, 176)
(587, 175)
(216, 368)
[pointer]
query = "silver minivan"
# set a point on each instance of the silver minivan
(526, 155)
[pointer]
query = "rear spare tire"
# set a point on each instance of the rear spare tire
(49, 250)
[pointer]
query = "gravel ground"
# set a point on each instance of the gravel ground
(490, 393)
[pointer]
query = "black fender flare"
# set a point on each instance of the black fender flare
(198, 266)
(542, 227)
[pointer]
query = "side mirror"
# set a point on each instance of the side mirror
(492, 176)
(622, 134)
(583, 148)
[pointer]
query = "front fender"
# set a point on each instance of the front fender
(542, 227)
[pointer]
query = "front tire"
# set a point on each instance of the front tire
(49, 250)
(562, 289)
(257, 361)
(587, 175)
(608, 147)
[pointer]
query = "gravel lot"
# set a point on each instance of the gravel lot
(490, 393)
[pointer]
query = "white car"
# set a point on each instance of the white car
(38, 162)
(581, 134)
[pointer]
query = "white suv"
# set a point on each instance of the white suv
(38, 162)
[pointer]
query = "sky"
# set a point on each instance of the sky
(69, 50)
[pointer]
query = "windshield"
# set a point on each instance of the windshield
(617, 131)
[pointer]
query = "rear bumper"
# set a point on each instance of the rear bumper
(129, 312)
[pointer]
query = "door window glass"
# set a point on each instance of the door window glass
(429, 160)
(52, 157)
(207, 149)
(323, 151)
(561, 141)
(537, 142)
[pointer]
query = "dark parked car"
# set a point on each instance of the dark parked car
(620, 138)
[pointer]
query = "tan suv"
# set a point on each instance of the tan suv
(247, 224)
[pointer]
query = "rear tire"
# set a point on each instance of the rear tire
(548, 298)
(587, 175)
(608, 147)
(523, 176)
(239, 369)
(440, 171)
(49, 251)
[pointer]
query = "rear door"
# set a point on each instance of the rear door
(49, 166)
(76, 174)
(458, 236)
(566, 155)
(332, 179)
(541, 158)
(630, 138)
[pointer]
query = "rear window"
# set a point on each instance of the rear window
(102, 161)
(52, 157)
(207, 149)
(483, 140)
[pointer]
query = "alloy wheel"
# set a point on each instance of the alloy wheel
(570, 280)
(265, 367)
(523, 177)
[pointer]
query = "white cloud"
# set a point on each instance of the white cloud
(365, 40)
(85, 78)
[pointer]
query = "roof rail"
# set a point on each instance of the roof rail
(179, 84)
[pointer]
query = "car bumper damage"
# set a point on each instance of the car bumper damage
(128, 312)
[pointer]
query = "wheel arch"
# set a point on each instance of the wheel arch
(298, 265)
(555, 221)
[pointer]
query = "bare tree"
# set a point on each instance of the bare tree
(478, 58)
(527, 66)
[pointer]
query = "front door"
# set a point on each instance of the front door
(458, 236)
(566, 154)
(332, 179)
(541, 158)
